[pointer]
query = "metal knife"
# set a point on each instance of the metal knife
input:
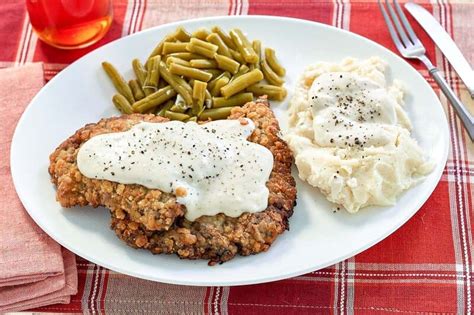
(445, 43)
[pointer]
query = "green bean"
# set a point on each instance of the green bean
(237, 56)
(178, 61)
(241, 83)
(194, 118)
(215, 113)
(148, 90)
(215, 72)
(185, 84)
(269, 74)
(216, 89)
(169, 48)
(204, 70)
(182, 82)
(242, 70)
(178, 108)
(199, 91)
(182, 35)
(189, 72)
(201, 33)
(243, 45)
(139, 70)
(151, 110)
(159, 48)
(197, 109)
(119, 82)
(211, 83)
(217, 40)
(200, 50)
(257, 47)
(185, 56)
(178, 83)
(199, 94)
(203, 63)
(273, 92)
(137, 91)
(175, 116)
(236, 100)
(208, 95)
(154, 99)
(273, 62)
(122, 104)
(160, 110)
(227, 64)
(225, 38)
(153, 74)
(178, 105)
(204, 44)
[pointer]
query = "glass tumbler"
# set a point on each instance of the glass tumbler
(70, 24)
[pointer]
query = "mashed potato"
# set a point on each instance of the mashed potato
(351, 136)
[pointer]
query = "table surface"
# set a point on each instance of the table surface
(426, 266)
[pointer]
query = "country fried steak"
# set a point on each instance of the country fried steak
(151, 219)
(154, 209)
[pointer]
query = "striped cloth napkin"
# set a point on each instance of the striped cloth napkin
(34, 270)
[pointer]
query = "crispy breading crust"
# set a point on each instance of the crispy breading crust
(154, 209)
(217, 238)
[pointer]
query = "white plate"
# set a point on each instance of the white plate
(317, 238)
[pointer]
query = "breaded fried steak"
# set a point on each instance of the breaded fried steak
(153, 220)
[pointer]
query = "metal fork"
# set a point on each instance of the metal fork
(410, 47)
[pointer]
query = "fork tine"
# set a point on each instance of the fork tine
(398, 26)
(406, 24)
(391, 28)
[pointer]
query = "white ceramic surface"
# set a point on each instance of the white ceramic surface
(317, 238)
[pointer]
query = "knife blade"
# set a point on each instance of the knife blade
(445, 43)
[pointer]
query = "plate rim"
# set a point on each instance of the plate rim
(24, 200)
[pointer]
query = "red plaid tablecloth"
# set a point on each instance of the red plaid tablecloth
(426, 266)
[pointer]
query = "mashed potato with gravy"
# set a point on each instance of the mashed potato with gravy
(351, 136)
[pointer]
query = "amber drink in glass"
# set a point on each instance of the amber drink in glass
(70, 24)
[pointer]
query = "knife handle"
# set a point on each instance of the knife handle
(459, 107)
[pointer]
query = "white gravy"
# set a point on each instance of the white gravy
(211, 168)
(352, 111)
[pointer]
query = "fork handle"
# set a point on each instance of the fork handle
(459, 107)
